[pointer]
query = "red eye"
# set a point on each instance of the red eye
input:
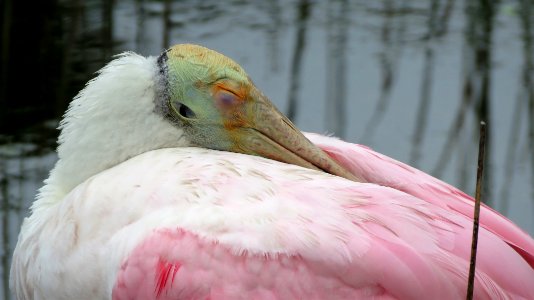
(226, 98)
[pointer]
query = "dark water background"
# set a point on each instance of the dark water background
(411, 79)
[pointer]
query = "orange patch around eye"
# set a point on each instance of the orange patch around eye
(241, 91)
(227, 99)
(234, 122)
(230, 101)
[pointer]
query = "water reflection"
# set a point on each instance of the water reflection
(478, 35)
(303, 13)
(437, 25)
(524, 103)
(337, 27)
(411, 79)
(391, 38)
(23, 165)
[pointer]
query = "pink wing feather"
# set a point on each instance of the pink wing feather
(349, 240)
(403, 257)
(383, 170)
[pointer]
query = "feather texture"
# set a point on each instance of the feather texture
(233, 226)
(380, 169)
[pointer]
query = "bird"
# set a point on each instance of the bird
(177, 178)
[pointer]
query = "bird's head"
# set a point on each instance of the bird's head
(216, 104)
(188, 96)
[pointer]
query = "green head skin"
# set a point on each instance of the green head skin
(212, 98)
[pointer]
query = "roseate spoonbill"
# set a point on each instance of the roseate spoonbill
(138, 207)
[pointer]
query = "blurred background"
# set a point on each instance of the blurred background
(411, 79)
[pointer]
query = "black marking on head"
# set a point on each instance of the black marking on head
(162, 62)
(161, 100)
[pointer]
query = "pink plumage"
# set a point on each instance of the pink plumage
(380, 169)
(403, 235)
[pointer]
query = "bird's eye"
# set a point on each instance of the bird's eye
(185, 111)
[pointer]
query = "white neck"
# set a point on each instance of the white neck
(108, 122)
